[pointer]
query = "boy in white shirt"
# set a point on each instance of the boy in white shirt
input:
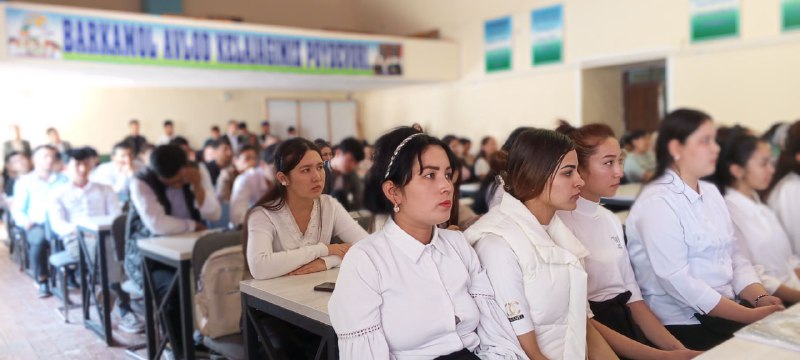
(119, 171)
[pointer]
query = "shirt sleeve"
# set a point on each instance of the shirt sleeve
(113, 206)
(20, 205)
(497, 336)
(344, 226)
(786, 207)
(239, 199)
(743, 272)
(153, 214)
(58, 215)
(210, 209)
(505, 276)
(264, 262)
(663, 241)
(355, 309)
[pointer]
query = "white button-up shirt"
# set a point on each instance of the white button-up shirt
(762, 237)
(683, 250)
(248, 187)
(397, 298)
(71, 202)
(32, 196)
(110, 174)
(608, 266)
(784, 200)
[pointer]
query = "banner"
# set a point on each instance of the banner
(790, 14)
(714, 19)
(69, 37)
(497, 44)
(547, 35)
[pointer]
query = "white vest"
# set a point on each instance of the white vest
(555, 281)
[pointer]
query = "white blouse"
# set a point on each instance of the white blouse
(784, 200)
(683, 250)
(762, 237)
(276, 247)
(608, 265)
(397, 298)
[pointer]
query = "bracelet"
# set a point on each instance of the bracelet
(759, 298)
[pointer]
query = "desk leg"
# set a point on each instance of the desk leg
(249, 332)
(101, 242)
(150, 322)
(186, 305)
(84, 277)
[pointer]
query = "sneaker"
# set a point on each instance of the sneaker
(129, 323)
(44, 290)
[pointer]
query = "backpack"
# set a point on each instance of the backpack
(217, 301)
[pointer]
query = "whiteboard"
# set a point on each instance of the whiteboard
(281, 115)
(343, 120)
(314, 120)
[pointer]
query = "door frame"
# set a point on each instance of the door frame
(621, 59)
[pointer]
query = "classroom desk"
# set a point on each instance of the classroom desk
(624, 198)
(292, 299)
(94, 271)
(744, 349)
(174, 251)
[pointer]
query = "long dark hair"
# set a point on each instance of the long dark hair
(677, 125)
(736, 148)
(287, 156)
(400, 172)
(787, 161)
(532, 161)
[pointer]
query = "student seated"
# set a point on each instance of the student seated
(223, 159)
(744, 169)
(31, 199)
(639, 161)
(171, 196)
(82, 198)
(620, 313)
(118, 172)
(134, 139)
(412, 290)
(785, 188)
(682, 244)
(534, 262)
(341, 180)
(488, 147)
(169, 133)
(289, 230)
(249, 186)
(246, 158)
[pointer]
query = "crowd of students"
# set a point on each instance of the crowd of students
(536, 268)
(546, 271)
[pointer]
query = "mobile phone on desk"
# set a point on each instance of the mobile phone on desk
(326, 286)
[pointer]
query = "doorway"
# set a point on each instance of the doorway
(627, 97)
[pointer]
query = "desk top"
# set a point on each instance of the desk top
(626, 193)
(295, 293)
(174, 247)
(96, 223)
(739, 348)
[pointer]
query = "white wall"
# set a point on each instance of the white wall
(99, 117)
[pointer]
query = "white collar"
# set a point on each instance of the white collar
(587, 207)
(674, 182)
(407, 244)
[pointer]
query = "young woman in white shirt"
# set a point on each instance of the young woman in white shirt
(744, 169)
(412, 290)
(289, 230)
(785, 190)
(620, 313)
(682, 244)
(533, 260)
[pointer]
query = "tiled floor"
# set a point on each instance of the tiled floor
(31, 329)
